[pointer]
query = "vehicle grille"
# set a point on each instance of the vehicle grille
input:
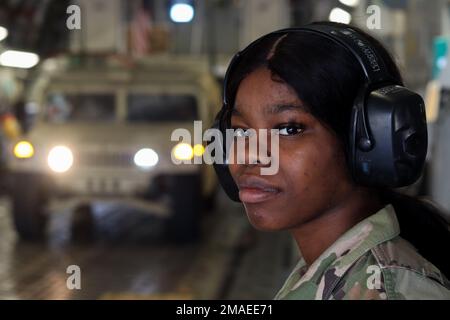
(107, 159)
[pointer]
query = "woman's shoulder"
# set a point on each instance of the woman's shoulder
(400, 254)
(407, 274)
(393, 270)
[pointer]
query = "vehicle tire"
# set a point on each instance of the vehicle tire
(183, 226)
(29, 201)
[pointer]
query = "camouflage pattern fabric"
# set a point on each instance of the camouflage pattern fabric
(370, 261)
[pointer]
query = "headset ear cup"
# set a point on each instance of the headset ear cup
(396, 120)
(222, 170)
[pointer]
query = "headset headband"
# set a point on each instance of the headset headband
(372, 64)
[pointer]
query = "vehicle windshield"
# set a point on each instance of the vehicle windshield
(80, 107)
(161, 107)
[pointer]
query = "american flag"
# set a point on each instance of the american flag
(140, 28)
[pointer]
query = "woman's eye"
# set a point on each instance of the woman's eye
(290, 130)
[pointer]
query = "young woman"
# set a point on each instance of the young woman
(348, 234)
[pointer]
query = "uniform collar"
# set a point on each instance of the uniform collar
(368, 233)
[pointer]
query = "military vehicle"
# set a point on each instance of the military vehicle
(101, 130)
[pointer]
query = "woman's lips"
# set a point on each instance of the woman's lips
(255, 190)
(254, 195)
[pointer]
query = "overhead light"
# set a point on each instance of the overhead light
(3, 33)
(18, 59)
(182, 12)
(340, 15)
(350, 3)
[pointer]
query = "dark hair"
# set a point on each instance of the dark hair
(326, 77)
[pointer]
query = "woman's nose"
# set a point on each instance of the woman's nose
(254, 150)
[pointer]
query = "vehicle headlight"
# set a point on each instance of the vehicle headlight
(60, 159)
(199, 150)
(183, 151)
(23, 150)
(146, 158)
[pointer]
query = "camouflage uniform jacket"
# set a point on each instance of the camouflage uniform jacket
(370, 261)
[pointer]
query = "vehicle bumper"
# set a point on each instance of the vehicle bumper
(107, 183)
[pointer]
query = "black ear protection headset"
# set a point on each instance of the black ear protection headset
(388, 132)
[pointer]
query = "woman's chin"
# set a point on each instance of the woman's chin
(263, 220)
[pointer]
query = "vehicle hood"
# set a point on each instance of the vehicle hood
(156, 136)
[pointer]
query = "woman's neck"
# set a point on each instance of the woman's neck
(317, 235)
